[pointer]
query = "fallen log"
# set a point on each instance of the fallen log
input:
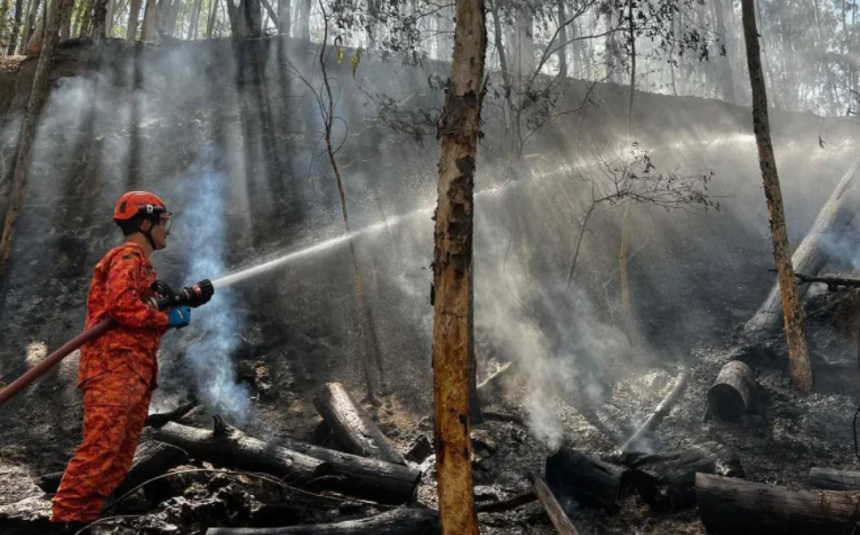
(160, 419)
(350, 474)
(832, 282)
(506, 505)
(667, 481)
(834, 219)
(151, 459)
(830, 479)
(352, 425)
(401, 521)
(553, 509)
(656, 417)
(732, 393)
(736, 506)
(585, 480)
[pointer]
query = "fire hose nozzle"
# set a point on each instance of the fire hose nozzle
(191, 296)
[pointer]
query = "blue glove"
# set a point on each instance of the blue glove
(178, 317)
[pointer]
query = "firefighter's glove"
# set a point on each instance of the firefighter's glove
(178, 317)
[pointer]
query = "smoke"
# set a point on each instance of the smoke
(201, 224)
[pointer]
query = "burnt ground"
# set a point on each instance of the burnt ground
(696, 278)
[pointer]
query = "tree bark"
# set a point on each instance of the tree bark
(213, 14)
(773, 86)
(284, 17)
(99, 19)
(732, 393)
(835, 219)
(553, 509)
(801, 372)
(133, 16)
(304, 20)
(16, 27)
(562, 38)
(352, 425)
(31, 26)
(667, 481)
(299, 463)
(150, 21)
(402, 521)
(160, 419)
(195, 17)
(736, 506)
(452, 265)
(830, 479)
(38, 96)
(581, 479)
(656, 417)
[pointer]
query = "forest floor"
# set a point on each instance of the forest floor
(778, 443)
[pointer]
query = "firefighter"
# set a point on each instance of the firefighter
(118, 370)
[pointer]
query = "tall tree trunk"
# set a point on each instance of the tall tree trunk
(99, 19)
(452, 267)
(213, 14)
(195, 17)
(133, 16)
(562, 39)
(170, 18)
(801, 372)
(304, 20)
(109, 18)
(773, 86)
(58, 12)
(16, 27)
(150, 21)
(66, 24)
(452, 295)
(792, 88)
(726, 77)
(31, 26)
(284, 17)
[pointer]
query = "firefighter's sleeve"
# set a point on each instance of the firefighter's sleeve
(125, 302)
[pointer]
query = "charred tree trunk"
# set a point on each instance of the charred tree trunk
(656, 417)
(732, 393)
(133, 16)
(667, 481)
(801, 372)
(588, 481)
(58, 11)
(352, 425)
(300, 463)
(160, 419)
(833, 220)
(452, 266)
(735, 506)
(553, 509)
(400, 521)
(829, 479)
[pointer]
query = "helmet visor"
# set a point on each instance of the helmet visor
(166, 220)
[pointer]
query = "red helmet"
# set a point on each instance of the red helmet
(138, 202)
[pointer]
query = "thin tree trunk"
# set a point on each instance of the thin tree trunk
(773, 86)
(195, 17)
(150, 19)
(728, 81)
(452, 267)
(305, 20)
(16, 27)
(31, 26)
(99, 19)
(57, 13)
(801, 372)
(284, 17)
(562, 38)
(109, 20)
(213, 14)
(133, 16)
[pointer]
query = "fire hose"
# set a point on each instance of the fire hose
(163, 298)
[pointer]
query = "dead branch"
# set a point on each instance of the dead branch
(656, 417)
(550, 504)
(506, 505)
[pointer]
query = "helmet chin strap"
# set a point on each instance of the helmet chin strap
(148, 234)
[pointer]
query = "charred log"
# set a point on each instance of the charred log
(829, 479)
(667, 482)
(656, 417)
(733, 392)
(401, 521)
(588, 481)
(299, 464)
(160, 419)
(737, 506)
(506, 505)
(553, 509)
(352, 425)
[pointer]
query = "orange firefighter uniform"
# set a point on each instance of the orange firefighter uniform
(117, 374)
